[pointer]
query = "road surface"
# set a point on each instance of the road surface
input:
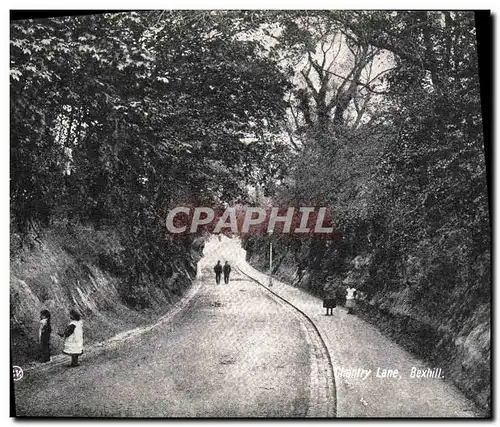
(237, 350)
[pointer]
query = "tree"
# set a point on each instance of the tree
(115, 117)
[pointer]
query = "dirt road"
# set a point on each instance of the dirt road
(233, 352)
(237, 351)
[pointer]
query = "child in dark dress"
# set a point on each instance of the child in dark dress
(44, 336)
(329, 298)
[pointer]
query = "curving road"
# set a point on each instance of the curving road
(233, 352)
(238, 350)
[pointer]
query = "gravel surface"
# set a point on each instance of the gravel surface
(355, 345)
(233, 352)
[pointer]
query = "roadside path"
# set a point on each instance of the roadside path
(355, 345)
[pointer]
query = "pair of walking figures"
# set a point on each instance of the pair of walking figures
(219, 269)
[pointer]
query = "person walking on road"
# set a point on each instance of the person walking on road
(44, 335)
(73, 337)
(227, 270)
(218, 272)
(350, 299)
(329, 298)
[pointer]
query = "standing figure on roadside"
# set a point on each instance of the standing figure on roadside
(218, 272)
(350, 299)
(44, 336)
(73, 337)
(227, 270)
(329, 298)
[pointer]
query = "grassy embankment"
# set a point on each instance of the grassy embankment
(79, 267)
(462, 351)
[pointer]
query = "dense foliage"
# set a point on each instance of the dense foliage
(388, 131)
(400, 157)
(116, 116)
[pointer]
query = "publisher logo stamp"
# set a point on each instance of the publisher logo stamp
(17, 372)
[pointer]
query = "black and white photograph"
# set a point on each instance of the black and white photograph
(250, 214)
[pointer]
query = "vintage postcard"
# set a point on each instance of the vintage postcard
(250, 214)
